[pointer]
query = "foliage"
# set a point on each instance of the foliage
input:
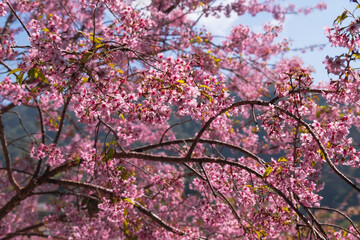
(114, 82)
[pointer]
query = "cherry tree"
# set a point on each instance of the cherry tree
(148, 127)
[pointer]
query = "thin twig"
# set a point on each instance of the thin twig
(176, 124)
(208, 180)
(22, 231)
(9, 20)
(23, 25)
(314, 219)
(68, 13)
(42, 126)
(208, 123)
(340, 227)
(22, 125)
(62, 120)
(114, 132)
(341, 213)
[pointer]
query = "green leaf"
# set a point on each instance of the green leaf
(71, 60)
(341, 18)
(126, 228)
(258, 234)
(318, 113)
(207, 96)
(99, 45)
(286, 209)
(129, 201)
(181, 81)
(41, 76)
(267, 172)
(19, 78)
(31, 74)
(321, 154)
(109, 154)
(95, 40)
(313, 163)
(14, 71)
(35, 73)
(204, 86)
(357, 55)
(126, 212)
(84, 80)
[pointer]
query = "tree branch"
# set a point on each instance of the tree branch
(22, 231)
(201, 140)
(22, 24)
(62, 120)
(326, 155)
(341, 213)
(136, 204)
(207, 124)
(173, 159)
(7, 158)
(174, 125)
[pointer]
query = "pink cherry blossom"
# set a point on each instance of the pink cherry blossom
(127, 120)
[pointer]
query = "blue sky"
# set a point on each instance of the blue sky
(303, 30)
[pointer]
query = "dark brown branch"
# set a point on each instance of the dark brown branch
(219, 194)
(22, 125)
(42, 126)
(137, 205)
(314, 219)
(326, 155)
(207, 124)
(209, 141)
(172, 159)
(22, 24)
(62, 120)
(208, 180)
(340, 227)
(43, 138)
(8, 22)
(29, 188)
(318, 91)
(172, 7)
(23, 231)
(68, 13)
(17, 170)
(264, 103)
(7, 108)
(341, 213)
(174, 125)
(114, 132)
(7, 157)
(64, 182)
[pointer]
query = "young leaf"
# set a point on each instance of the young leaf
(267, 172)
(14, 71)
(204, 86)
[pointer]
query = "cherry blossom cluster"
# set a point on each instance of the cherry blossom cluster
(148, 127)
